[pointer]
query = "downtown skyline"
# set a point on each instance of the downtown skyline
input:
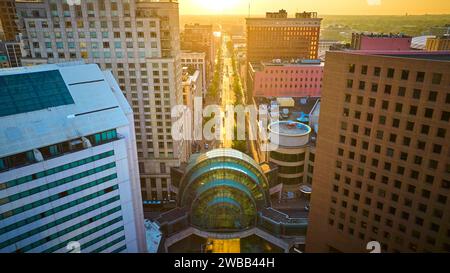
(322, 7)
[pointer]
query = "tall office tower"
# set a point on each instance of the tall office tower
(278, 37)
(199, 38)
(382, 156)
(8, 27)
(68, 162)
(139, 41)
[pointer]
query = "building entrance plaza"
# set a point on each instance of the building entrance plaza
(224, 206)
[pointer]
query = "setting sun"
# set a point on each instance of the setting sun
(216, 5)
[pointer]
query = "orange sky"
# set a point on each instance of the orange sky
(344, 7)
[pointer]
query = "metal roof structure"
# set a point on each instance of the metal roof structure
(49, 104)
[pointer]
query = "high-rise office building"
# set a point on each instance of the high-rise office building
(382, 155)
(278, 37)
(8, 27)
(138, 40)
(68, 162)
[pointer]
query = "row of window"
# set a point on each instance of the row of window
(364, 227)
(415, 94)
(427, 113)
(82, 235)
(290, 86)
(94, 45)
(57, 196)
(272, 71)
(120, 249)
(56, 223)
(291, 169)
(61, 168)
(102, 238)
(404, 74)
(108, 245)
(93, 35)
(55, 183)
(264, 29)
(92, 24)
(72, 228)
(290, 181)
(57, 209)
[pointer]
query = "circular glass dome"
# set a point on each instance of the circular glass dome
(224, 189)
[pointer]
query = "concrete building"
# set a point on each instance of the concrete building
(301, 78)
(292, 145)
(441, 43)
(68, 162)
(139, 42)
(195, 61)
(8, 27)
(277, 36)
(292, 139)
(362, 41)
(192, 88)
(382, 155)
(199, 38)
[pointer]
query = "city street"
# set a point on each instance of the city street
(228, 97)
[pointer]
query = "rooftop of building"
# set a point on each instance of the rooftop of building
(47, 104)
(189, 76)
(409, 54)
(259, 66)
(289, 128)
(301, 104)
(283, 15)
(382, 35)
(419, 42)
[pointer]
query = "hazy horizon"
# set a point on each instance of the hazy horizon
(326, 7)
(319, 14)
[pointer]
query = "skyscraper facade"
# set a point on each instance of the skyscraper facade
(68, 163)
(278, 37)
(382, 156)
(138, 40)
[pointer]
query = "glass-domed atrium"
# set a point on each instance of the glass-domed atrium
(223, 189)
(223, 200)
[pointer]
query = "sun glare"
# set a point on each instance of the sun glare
(217, 5)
